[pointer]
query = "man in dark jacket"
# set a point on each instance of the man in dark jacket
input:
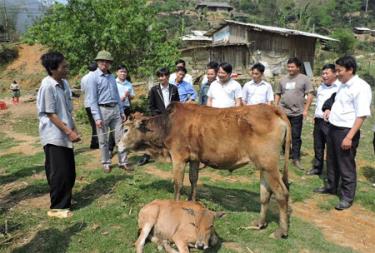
(163, 93)
(160, 96)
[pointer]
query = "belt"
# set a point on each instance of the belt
(339, 128)
(108, 105)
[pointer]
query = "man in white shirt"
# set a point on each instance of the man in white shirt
(350, 109)
(187, 77)
(94, 137)
(225, 92)
(257, 91)
(329, 86)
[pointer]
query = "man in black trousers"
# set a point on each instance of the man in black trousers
(349, 110)
(329, 86)
(160, 96)
(94, 137)
(57, 133)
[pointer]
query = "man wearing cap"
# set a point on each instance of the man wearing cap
(106, 109)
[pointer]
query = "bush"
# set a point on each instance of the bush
(81, 116)
(8, 54)
(370, 79)
(141, 105)
(346, 43)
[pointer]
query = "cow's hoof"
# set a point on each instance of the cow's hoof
(279, 234)
(257, 225)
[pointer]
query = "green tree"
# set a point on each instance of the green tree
(346, 43)
(127, 28)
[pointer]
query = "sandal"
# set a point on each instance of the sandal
(60, 213)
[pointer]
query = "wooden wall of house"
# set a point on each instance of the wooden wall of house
(299, 46)
(237, 55)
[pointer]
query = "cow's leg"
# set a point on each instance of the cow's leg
(140, 243)
(168, 247)
(281, 193)
(265, 195)
(193, 177)
(178, 177)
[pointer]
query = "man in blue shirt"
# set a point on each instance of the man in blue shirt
(107, 109)
(185, 90)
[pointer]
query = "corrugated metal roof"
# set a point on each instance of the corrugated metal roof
(273, 29)
(196, 35)
(214, 4)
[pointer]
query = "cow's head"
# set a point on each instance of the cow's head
(135, 132)
(203, 221)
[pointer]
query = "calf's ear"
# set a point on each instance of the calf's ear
(219, 214)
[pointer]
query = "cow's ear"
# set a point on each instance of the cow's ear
(142, 126)
(219, 214)
(131, 117)
(189, 211)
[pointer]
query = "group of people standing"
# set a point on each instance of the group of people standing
(343, 103)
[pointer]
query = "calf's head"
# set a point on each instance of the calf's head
(203, 221)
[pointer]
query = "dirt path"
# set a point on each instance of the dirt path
(354, 228)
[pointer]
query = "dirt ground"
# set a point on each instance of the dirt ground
(353, 228)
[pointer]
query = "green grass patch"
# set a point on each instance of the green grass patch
(7, 142)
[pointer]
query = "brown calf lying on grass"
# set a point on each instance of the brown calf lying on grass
(185, 223)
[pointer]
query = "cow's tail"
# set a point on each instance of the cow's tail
(287, 143)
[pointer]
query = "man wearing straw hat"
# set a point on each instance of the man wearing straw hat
(106, 109)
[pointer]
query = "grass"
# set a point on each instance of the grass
(105, 216)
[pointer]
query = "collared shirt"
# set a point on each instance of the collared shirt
(353, 100)
(224, 95)
(165, 93)
(123, 87)
(54, 98)
(323, 93)
(102, 89)
(256, 93)
(186, 91)
(84, 89)
(188, 78)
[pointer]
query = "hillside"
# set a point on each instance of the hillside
(26, 69)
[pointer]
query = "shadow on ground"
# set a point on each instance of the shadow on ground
(96, 189)
(22, 173)
(369, 173)
(235, 200)
(51, 240)
(14, 197)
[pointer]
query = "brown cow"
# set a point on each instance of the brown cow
(221, 138)
(185, 223)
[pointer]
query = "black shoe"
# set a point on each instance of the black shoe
(94, 146)
(313, 172)
(298, 164)
(145, 159)
(324, 190)
(343, 205)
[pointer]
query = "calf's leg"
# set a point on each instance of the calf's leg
(140, 243)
